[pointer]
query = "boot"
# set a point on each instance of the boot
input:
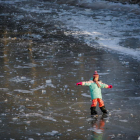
(93, 111)
(103, 110)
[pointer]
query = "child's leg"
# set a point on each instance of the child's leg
(94, 103)
(102, 106)
(101, 102)
(93, 107)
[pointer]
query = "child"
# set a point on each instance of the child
(95, 86)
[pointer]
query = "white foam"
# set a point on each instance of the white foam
(106, 27)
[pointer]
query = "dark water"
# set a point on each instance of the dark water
(40, 66)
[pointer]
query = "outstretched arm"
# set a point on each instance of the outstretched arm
(86, 83)
(109, 86)
(80, 83)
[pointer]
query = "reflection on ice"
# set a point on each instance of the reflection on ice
(99, 131)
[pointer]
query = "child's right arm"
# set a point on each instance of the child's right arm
(80, 83)
(86, 83)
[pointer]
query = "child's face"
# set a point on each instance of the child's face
(96, 77)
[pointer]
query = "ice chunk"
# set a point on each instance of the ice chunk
(82, 78)
(5, 100)
(38, 134)
(32, 81)
(4, 89)
(119, 135)
(123, 120)
(85, 95)
(80, 54)
(66, 121)
(49, 118)
(89, 119)
(23, 78)
(30, 139)
(19, 79)
(43, 91)
(51, 133)
(40, 111)
(107, 121)
(81, 127)
(48, 81)
(112, 136)
(23, 91)
(77, 62)
(14, 119)
(59, 75)
(27, 122)
(27, 99)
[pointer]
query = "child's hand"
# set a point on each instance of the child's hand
(80, 83)
(110, 86)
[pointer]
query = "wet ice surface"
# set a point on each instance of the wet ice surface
(40, 64)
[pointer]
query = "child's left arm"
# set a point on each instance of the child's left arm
(105, 85)
(110, 86)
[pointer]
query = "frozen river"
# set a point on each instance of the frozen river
(46, 48)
